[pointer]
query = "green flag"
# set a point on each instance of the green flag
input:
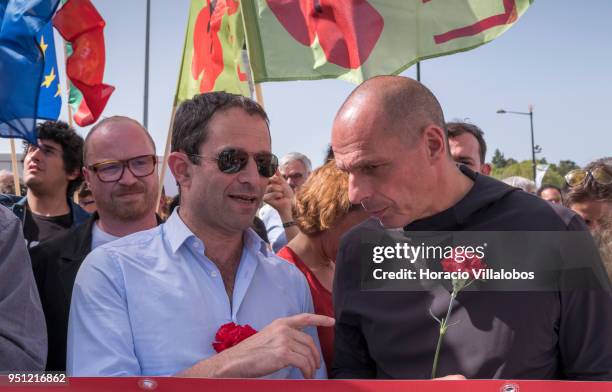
(212, 54)
(357, 39)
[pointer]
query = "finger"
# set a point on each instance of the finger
(274, 188)
(273, 196)
(299, 361)
(303, 344)
(302, 320)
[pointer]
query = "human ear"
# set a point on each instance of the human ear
(181, 168)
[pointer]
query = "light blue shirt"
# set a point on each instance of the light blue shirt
(151, 303)
(274, 227)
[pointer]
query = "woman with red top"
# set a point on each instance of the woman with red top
(323, 213)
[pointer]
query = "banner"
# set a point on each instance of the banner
(355, 40)
(212, 53)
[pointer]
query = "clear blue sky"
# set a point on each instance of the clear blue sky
(558, 57)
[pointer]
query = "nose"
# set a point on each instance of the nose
(127, 178)
(249, 174)
(358, 190)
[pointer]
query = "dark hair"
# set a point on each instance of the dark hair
(590, 190)
(112, 120)
(548, 186)
(458, 128)
(72, 148)
(191, 120)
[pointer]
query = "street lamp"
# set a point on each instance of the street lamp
(533, 146)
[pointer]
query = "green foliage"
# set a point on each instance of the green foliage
(506, 167)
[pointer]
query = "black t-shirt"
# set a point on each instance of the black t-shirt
(38, 228)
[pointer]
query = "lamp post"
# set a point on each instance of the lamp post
(533, 146)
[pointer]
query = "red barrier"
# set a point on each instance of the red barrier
(140, 384)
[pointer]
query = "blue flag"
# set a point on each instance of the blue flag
(21, 65)
(49, 96)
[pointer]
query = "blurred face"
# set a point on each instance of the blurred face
(43, 168)
(466, 150)
(594, 213)
(552, 195)
(228, 202)
(129, 197)
(88, 203)
(388, 175)
(295, 174)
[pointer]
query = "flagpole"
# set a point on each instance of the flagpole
(418, 71)
(15, 171)
(145, 117)
(259, 94)
(165, 159)
(67, 84)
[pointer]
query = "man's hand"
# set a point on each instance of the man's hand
(280, 344)
(280, 196)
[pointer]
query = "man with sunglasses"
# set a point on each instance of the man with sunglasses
(120, 163)
(51, 173)
(154, 303)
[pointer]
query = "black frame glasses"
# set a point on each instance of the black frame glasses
(108, 171)
(233, 160)
(600, 175)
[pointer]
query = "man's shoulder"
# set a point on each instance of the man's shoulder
(9, 201)
(525, 211)
(7, 218)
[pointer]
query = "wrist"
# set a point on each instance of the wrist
(289, 223)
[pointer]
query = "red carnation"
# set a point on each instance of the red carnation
(469, 264)
(231, 334)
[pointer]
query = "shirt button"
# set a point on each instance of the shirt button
(213, 274)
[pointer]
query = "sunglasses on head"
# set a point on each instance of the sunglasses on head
(600, 175)
(233, 160)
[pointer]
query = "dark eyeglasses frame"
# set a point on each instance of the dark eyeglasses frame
(224, 161)
(125, 163)
(588, 173)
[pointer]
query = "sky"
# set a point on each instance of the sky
(557, 57)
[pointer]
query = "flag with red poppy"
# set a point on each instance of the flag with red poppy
(81, 25)
(357, 39)
(213, 50)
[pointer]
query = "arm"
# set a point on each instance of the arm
(99, 330)
(23, 335)
(280, 197)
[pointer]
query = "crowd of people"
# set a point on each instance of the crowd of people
(114, 283)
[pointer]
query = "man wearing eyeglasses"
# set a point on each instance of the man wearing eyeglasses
(51, 172)
(120, 163)
(154, 303)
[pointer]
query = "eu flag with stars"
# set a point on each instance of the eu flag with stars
(49, 95)
(22, 66)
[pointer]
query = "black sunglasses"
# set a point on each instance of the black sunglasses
(233, 160)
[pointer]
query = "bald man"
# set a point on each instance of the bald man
(389, 136)
(120, 170)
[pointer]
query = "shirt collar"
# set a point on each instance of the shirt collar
(177, 233)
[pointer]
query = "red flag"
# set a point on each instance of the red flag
(79, 23)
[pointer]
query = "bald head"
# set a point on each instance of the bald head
(405, 104)
(111, 124)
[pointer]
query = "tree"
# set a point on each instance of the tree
(566, 166)
(498, 159)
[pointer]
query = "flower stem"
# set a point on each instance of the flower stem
(443, 327)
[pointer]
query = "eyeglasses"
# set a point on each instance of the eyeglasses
(600, 175)
(111, 171)
(233, 160)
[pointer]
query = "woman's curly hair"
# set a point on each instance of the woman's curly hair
(323, 200)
